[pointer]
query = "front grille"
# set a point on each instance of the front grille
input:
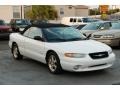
(97, 36)
(98, 55)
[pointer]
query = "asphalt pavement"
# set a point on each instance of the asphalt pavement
(30, 72)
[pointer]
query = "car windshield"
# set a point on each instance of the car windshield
(115, 25)
(2, 22)
(62, 34)
(22, 22)
(91, 26)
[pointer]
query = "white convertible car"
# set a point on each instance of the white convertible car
(61, 47)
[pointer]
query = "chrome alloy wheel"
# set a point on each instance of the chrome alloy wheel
(15, 52)
(52, 63)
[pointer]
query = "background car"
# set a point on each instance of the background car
(76, 20)
(5, 30)
(110, 37)
(39, 21)
(19, 24)
(61, 47)
(94, 27)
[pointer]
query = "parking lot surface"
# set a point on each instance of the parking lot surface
(28, 71)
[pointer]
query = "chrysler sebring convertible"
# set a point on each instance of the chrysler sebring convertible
(61, 47)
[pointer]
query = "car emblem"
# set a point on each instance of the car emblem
(100, 55)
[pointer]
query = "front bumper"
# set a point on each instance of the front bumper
(110, 42)
(87, 64)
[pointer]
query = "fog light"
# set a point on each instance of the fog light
(76, 67)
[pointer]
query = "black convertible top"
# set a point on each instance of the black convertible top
(48, 25)
(44, 25)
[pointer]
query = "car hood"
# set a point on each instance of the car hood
(106, 32)
(85, 46)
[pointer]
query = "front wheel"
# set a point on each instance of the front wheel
(53, 63)
(16, 53)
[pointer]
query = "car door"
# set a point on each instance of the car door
(34, 48)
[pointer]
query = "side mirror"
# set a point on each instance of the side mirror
(38, 38)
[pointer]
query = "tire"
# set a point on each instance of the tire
(53, 63)
(15, 52)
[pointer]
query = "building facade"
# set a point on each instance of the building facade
(8, 12)
(67, 10)
(70, 10)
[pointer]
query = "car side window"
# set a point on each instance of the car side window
(79, 20)
(26, 33)
(34, 31)
(74, 20)
(71, 19)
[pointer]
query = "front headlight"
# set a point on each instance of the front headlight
(110, 51)
(107, 36)
(75, 55)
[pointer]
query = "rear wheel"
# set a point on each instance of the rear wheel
(53, 63)
(16, 53)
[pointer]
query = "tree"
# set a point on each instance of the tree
(104, 16)
(42, 12)
(94, 12)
